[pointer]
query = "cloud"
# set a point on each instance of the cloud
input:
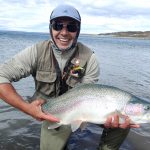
(23, 15)
(97, 16)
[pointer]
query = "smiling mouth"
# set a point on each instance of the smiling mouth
(63, 40)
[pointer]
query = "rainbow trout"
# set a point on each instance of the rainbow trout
(94, 103)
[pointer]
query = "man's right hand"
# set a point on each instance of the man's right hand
(36, 112)
(10, 96)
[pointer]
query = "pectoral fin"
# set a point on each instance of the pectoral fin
(54, 125)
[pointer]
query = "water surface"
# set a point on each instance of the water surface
(124, 63)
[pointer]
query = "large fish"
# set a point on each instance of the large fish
(94, 103)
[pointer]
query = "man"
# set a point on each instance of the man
(53, 65)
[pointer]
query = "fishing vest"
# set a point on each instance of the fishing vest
(47, 76)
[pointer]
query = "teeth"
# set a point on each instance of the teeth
(64, 40)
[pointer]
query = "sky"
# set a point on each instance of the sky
(98, 16)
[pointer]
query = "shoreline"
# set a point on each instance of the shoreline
(128, 34)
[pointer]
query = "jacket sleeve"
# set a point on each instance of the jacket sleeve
(19, 66)
(92, 71)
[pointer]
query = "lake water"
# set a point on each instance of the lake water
(124, 63)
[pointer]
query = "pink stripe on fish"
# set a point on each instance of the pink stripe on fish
(134, 109)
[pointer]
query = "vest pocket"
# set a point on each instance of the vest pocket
(45, 82)
(45, 76)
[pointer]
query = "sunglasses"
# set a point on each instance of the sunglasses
(71, 27)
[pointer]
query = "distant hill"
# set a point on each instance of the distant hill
(134, 34)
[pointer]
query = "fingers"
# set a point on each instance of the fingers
(113, 122)
(126, 123)
(38, 119)
(49, 117)
(36, 112)
(108, 122)
(134, 126)
(38, 102)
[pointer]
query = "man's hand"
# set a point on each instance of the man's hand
(10, 96)
(113, 122)
(36, 112)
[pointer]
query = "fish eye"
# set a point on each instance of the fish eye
(147, 108)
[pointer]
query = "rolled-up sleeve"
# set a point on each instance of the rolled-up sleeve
(92, 70)
(19, 66)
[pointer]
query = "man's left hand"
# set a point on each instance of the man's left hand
(113, 122)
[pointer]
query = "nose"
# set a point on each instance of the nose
(64, 30)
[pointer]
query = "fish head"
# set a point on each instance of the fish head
(138, 111)
(146, 114)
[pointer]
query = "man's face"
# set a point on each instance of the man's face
(64, 32)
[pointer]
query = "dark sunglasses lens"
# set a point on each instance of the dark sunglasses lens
(57, 26)
(72, 27)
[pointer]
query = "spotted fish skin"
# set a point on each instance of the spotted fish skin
(94, 103)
